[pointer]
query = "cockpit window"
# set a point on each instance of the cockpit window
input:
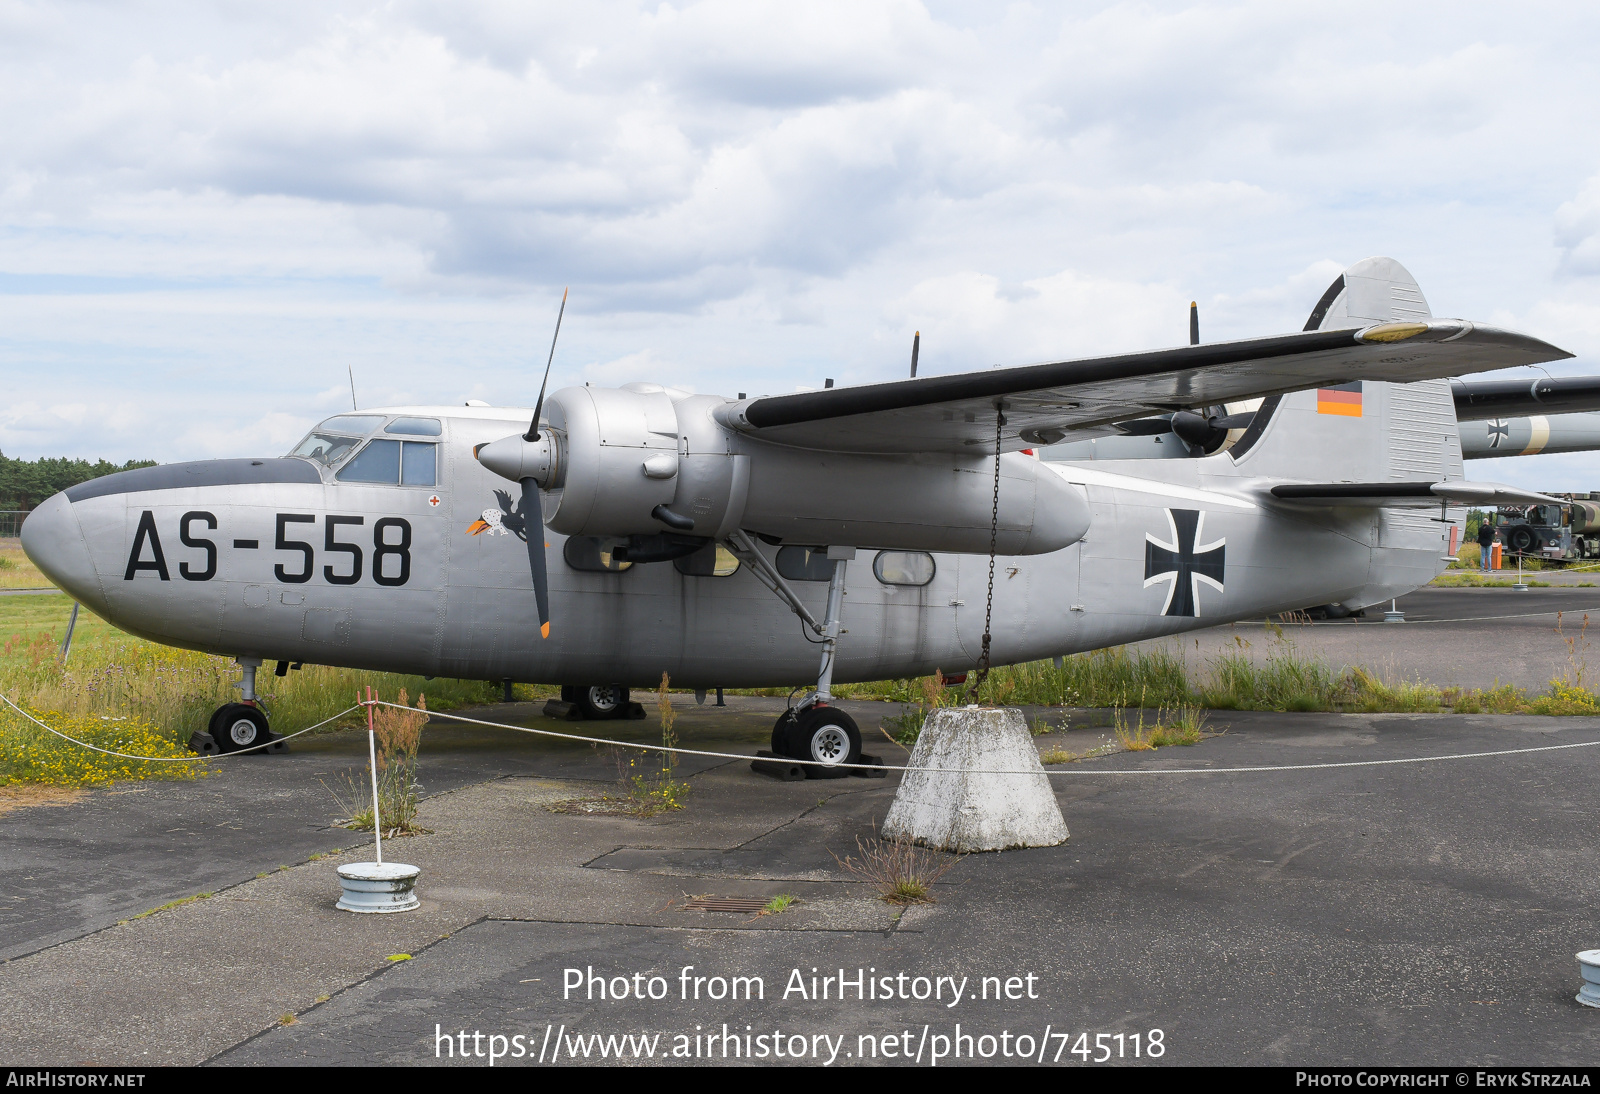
(326, 448)
(353, 423)
(416, 427)
(419, 464)
(410, 463)
(378, 462)
(330, 443)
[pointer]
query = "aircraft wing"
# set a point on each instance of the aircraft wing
(1483, 400)
(1046, 403)
(1407, 495)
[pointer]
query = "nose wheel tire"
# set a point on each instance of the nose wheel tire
(825, 735)
(238, 726)
(601, 701)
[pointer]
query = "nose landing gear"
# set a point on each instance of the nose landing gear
(236, 727)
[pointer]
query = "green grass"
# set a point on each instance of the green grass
(163, 693)
(779, 904)
(1276, 676)
(17, 571)
(1476, 580)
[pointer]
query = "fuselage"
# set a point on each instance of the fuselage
(283, 560)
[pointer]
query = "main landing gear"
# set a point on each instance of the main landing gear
(235, 727)
(593, 703)
(813, 729)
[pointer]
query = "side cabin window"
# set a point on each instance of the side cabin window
(805, 563)
(592, 554)
(712, 560)
(903, 567)
(405, 463)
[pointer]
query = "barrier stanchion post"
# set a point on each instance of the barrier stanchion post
(376, 886)
(372, 761)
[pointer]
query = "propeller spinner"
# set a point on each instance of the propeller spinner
(1204, 431)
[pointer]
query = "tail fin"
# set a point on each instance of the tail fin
(1358, 432)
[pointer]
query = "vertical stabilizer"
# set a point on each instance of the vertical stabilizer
(1355, 431)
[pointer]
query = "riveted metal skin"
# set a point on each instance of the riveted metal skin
(283, 560)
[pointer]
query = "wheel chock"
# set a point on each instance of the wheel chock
(875, 762)
(202, 742)
(558, 708)
(778, 767)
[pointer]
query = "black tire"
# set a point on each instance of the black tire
(823, 734)
(569, 694)
(603, 701)
(1520, 540)
(238, 726)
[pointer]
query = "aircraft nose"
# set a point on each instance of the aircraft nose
(53, 540)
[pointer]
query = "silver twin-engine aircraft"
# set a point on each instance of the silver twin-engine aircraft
(735, 542)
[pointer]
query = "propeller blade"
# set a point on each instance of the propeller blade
(916, 345)
(1145, 427)
(533, 528)
(1194, 323)
(1234, 421)
(538, 408)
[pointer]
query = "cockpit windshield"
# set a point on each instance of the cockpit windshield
(336, 438)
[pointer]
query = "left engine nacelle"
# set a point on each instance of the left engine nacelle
(605, 462)
(647, 461)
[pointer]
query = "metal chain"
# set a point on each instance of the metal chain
(994, 534)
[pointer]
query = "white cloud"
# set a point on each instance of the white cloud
(209, 213)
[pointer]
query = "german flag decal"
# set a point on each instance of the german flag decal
(1344, 399)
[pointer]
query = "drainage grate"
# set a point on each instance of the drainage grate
(742, 904)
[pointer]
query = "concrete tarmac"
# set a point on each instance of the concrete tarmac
(1413, 913)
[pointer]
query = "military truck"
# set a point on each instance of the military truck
(1568, 531)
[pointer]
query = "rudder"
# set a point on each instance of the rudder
(1355, 431)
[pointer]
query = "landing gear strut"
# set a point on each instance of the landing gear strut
(235, 727)
(812, 729)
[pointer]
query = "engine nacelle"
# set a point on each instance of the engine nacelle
(644, 460)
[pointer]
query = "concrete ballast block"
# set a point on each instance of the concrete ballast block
(967, 805)
(378, 887)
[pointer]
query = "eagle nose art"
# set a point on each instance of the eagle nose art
(53, 540)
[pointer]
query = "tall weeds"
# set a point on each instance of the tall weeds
(398, 734)
(1273, 676)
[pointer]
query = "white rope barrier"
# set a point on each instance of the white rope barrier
(173, 759)
(817, 763)
(987, 771)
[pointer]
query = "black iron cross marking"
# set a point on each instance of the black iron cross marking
(1182, 564)
(1499, 430)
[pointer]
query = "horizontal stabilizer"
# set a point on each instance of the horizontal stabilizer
(1406, 495)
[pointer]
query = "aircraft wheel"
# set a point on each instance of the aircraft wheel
(603, 701)
(238, 726)
(826, 735)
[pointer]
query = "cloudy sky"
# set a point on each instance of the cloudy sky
(208, 213)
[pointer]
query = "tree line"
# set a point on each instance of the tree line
(26, 483)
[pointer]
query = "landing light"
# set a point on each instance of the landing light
(1392, 332)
